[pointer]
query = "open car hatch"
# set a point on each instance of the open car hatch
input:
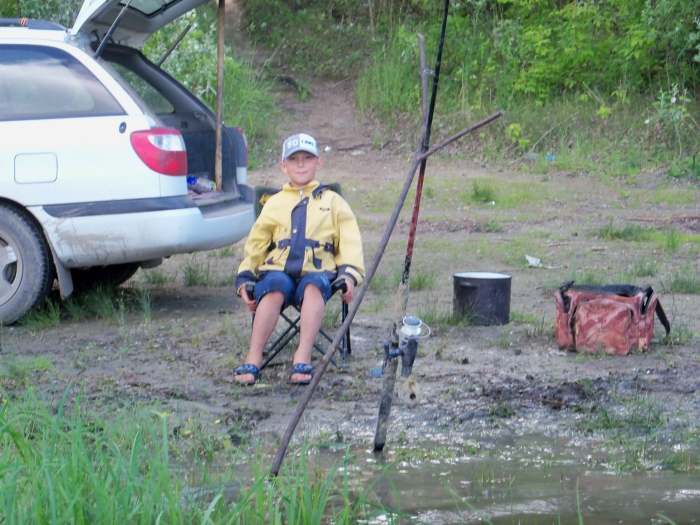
(141, 20)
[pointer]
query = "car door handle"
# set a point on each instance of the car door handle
(199, 115)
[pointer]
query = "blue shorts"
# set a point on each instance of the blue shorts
(293, 291)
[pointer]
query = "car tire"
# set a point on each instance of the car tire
(110, 276)
(26, 265)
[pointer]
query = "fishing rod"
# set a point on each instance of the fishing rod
(391, 346)
(420, 156)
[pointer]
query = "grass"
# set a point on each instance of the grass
(61, 466)
(644, 268)
(331, 316)
(107, 303)
(488, 226)
(482, 192)
(630, 232)
(145, 301)
(157, 278)
(196, 274)
(433, 314)
(685, 281)
(681, 334)
(21, 368)
(672, 241)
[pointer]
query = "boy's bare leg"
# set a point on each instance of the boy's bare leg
(311, 318)
(266, 316)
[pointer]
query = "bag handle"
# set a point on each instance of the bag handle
(662, 317)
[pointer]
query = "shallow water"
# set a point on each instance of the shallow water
(528, 480)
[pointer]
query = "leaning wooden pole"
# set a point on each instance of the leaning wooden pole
(218, 169)
(308, 393)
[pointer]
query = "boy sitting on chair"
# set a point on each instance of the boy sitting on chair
(305, 238)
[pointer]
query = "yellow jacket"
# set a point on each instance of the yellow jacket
(303, 230)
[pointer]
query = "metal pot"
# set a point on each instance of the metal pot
(484, 297)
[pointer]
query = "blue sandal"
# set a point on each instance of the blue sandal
(302, 368)
(247, 369)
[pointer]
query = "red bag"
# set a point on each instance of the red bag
(615, 318)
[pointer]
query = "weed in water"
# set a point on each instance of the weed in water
(81, 458)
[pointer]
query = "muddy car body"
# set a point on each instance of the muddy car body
(93, 180)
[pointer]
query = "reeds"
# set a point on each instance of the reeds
(60, 467)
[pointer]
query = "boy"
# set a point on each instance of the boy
(305, 237)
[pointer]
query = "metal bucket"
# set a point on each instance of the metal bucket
(484, 297)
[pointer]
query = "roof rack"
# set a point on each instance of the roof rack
(30, 23)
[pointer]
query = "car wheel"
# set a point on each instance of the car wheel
(26, 265)
(111, 275)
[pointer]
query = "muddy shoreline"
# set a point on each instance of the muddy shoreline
(170, 341)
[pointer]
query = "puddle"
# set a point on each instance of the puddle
(527, 480)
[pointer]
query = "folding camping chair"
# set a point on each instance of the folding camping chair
(293, 320)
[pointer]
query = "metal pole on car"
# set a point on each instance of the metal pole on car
(114, 25)
(219, 92)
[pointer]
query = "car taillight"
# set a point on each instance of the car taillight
(161, 149)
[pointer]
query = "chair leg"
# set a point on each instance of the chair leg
(282, 341)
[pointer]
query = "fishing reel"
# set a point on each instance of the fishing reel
(409, 332)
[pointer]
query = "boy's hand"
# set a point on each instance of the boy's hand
(248, 299)
(349, 293)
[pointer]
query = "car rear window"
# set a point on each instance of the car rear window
(150, 95)
(41, 82)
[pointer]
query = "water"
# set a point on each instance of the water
(528, 480)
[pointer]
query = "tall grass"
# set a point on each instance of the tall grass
(61, 467)
(567, 131)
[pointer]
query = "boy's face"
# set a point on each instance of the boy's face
(301, 168)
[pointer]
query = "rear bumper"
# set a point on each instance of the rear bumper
(96, 239)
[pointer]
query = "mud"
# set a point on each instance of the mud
(467, 380)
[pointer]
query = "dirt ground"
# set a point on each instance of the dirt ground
(467, 380)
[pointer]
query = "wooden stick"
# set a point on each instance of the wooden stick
(218, 169)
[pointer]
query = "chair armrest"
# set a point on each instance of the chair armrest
(250, 289)
(339, 284)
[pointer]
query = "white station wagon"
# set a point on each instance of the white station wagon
(92, 177)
